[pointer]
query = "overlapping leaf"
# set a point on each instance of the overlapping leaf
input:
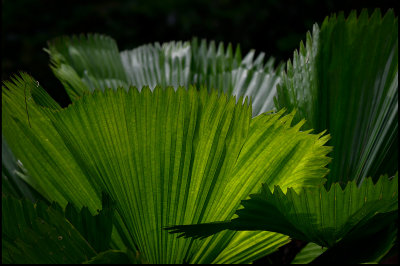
(308, 253)
(13, 176)
(37, 233)
(168, 157)
(94, 62)
(345, 81)
(369, 241)
(83, 64)
(52, 169)
(34, 141)
(313, 215)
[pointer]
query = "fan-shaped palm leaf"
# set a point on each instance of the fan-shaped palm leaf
(345, 80)
(314, 214)
(165, 157)
(91, 62)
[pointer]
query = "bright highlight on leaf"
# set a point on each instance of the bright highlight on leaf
(169, 157)
(313, 215)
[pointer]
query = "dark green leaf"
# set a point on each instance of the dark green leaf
(367, 242)
(39, 234)
(116, 257)
(345, 81)
(313, 215)
(95, 229)
(13, 176)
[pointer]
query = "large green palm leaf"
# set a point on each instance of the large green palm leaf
(157, 137)
(313, 215)
(165, 157)
(338, 219)
(345, 80)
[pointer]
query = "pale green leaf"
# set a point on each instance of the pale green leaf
(84, 63)
(92, 62)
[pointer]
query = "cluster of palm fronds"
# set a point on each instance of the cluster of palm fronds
(195, 139)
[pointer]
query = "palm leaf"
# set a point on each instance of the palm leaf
(313, 215)
(345, 81)
(116, 257)
(168, 157)
(14, 176)
(89, 226)
(246, 247)
(83, 64)
(52, 170)
(21, 116)
(94, 62)
(368, 242)
(40, 233)
(308, 254)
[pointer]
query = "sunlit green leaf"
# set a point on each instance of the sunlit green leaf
(308, 254)
(167, 157)
(313, 215)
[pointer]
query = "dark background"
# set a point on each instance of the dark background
(271, 26)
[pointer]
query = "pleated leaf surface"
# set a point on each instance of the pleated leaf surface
(345, 80)
(33, 139)
(313, 215)
(37, 233)
(308, 254)
(83, 64)
(86, 63)
(13, 176)
(41, 233)
(172, 157)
